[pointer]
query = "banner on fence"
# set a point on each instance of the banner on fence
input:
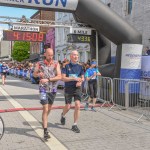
(145, 69)
(131, 61)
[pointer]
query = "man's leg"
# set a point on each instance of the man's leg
(76, 111)
(68, 100)
(95, 94)
(65, 110)
(76, 117)
(46, 111)
(87, 103)
(45, 115)
(3, 79)
(90, 96)
(49, 108)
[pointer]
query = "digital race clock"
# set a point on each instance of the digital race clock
(78, 38)
(10, 35)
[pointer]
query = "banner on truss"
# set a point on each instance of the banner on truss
(43, 4)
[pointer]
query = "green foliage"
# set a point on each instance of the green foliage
(21, 51)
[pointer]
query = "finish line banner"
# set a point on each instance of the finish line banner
(42, 4)
(131, 61)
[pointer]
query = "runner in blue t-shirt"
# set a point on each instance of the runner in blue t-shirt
(4, 69)
(73, 76)
(0, 68)
(91, 76)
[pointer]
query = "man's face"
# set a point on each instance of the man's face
(49, 55)
(74, 56)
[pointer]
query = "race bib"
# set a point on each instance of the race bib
(73, 75)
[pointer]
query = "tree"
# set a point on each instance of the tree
(21, 51)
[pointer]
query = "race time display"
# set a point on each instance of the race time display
(77, 38)
(10, 35)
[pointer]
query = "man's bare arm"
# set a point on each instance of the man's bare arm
(58, 76)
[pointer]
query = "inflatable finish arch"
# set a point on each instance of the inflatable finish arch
(96, 14)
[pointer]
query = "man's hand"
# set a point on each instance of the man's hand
(78, 84)
(42, 81)
(41, 75)
(78, 79)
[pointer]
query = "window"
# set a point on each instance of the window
(80, 57)
(129, 6)
(58, 57)
(64, 55)
(88, 55)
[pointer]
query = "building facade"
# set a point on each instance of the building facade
(5, 47)
(137, 13)
(37, 47)
(62, 47)
(50, 38)
(5, 50)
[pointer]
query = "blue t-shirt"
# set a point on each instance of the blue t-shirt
(90, 72)
(4, 69)
(72, 70)
(0, 68)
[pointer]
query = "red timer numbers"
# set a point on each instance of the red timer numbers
(23, 36)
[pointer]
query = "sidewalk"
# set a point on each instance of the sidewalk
(102, 130)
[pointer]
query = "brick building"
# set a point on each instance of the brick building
(37, 47)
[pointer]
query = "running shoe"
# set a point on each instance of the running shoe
(86, 107)
(46, 135)
(93, 109)
(63, 120)
(75, 129)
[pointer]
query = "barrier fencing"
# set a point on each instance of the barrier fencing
(105, 91)
(133, 95)
(127, 94)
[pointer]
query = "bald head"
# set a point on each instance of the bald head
(48, 50)
(49, 53)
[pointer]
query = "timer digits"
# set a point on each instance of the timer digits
(76, 38)
(23, 36)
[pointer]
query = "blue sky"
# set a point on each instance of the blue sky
(15, 12)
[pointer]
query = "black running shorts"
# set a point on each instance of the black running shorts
(49, 99)
(72, 92)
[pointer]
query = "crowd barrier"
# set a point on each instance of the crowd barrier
(120, 93)
(140, 102)
(133, 95)
(128, 94)
(105, 90)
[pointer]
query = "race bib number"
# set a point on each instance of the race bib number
(73, 75)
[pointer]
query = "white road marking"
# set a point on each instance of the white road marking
(60, 97)
(52, 143)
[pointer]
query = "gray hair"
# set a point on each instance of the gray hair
(73, 52)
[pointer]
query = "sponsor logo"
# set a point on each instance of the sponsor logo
(133, 55)
(145, 74)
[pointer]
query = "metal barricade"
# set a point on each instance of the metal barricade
(105, 90)
(119, 93)
(85, 91)
(141, 90)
